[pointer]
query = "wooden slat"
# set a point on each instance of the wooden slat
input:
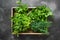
(11, 16)
(33, 33)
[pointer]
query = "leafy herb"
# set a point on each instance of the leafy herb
(41, 27)
(21, 22)
(40, 13)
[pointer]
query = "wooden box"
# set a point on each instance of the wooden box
(27, 33)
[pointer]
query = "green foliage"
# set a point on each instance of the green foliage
(21, 22)
(40, 13)
(41, 27)
(39, 17)
(21, 9)
(44, 10)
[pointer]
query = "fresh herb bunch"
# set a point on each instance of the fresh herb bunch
(41, 27)
(21, 22)
(45, 12)
(40, 13)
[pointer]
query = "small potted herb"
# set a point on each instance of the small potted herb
(30, 20)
